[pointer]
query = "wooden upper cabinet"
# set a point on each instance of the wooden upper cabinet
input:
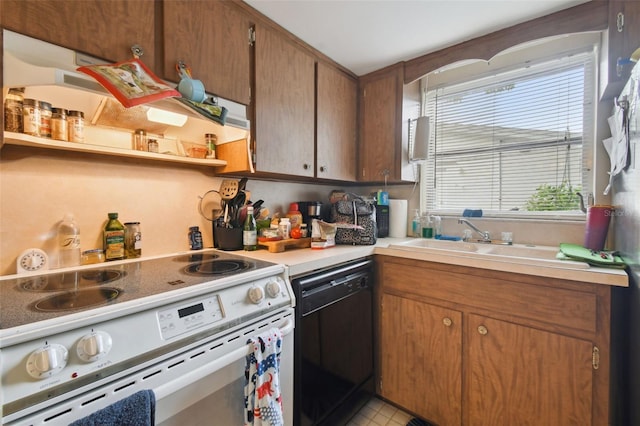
(380, 121)
(212, 38)
(284, 105)
(104, 29)
(623, 40)
(337, 98)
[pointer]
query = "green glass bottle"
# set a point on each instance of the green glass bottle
(250, 232)
(113, 239)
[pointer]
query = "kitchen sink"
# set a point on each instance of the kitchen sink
(524, 254)
(438, 244)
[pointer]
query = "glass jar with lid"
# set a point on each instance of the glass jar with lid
(59, 130)
(31, 117)
(45, 119)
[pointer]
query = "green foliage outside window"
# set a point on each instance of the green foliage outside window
(554, 197)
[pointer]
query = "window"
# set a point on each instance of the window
(516, 141)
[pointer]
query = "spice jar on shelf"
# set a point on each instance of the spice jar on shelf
(75, 120)
(59, 130)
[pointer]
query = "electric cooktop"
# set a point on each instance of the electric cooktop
(32, 298)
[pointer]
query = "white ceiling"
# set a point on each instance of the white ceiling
(366, 35)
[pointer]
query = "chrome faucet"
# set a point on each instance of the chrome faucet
(484, 234)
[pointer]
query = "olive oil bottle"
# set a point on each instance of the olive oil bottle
(113, 239)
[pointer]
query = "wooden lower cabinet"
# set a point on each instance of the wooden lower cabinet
(468, 346)
(520, 375)
(421, 350)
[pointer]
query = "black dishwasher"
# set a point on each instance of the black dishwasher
(333, 343)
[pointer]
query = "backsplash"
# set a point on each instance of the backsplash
(39, 187)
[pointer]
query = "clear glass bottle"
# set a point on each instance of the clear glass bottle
(416, 226)
(113, 239)
(437, 227)
(68, 242)
(249, 232)
(132, 240)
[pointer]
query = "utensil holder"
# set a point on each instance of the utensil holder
(227, 238)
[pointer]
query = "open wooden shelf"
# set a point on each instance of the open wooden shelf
(11, 138)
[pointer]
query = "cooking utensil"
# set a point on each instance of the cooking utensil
(211, 202)
(229, 189)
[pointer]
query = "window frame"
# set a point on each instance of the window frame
(516, 58)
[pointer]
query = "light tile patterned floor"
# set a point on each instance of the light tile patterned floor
(379, 413)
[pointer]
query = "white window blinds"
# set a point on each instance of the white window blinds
(516, 141)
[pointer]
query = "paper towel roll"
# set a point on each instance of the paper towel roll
(398, 218)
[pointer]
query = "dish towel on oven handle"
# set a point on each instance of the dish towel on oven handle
(138, 409)
(262, 397)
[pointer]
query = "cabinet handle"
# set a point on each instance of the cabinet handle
(323, 169)
(447, 322)
(305, 166)
(482, 330)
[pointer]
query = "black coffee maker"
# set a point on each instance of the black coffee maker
(310, 210)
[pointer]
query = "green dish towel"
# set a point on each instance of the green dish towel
(603, 258)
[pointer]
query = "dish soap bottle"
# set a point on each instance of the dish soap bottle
(68, 242)
(416, 227)
(249, 232)
(113, 238)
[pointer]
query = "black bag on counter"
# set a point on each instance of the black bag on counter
(356, 221)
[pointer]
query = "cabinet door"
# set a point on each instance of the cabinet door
(519, 375)
(105, 29)
(212, 38)
(337, 97)
(285, 106)
(381, 113)
(421, 358)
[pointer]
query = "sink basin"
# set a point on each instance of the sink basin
(528, 251)
(438, 244)
(517, 253)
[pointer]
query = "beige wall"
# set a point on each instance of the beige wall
(38, 186)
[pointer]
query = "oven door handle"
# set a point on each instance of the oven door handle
(221, 362)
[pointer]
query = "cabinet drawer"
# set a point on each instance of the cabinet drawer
(504, 295)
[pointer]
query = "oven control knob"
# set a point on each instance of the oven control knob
(256, 295)
(94, 346)
(273, 288)
(47, 361)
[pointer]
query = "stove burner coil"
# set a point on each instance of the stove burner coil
(196, 257)
(217, 267)
(70, 280)
(83, 298)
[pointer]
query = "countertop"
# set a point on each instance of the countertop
(303, 261)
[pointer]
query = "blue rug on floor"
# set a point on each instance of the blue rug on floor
(418, 422)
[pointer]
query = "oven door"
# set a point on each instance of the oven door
(216, 390)
(201, 383)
